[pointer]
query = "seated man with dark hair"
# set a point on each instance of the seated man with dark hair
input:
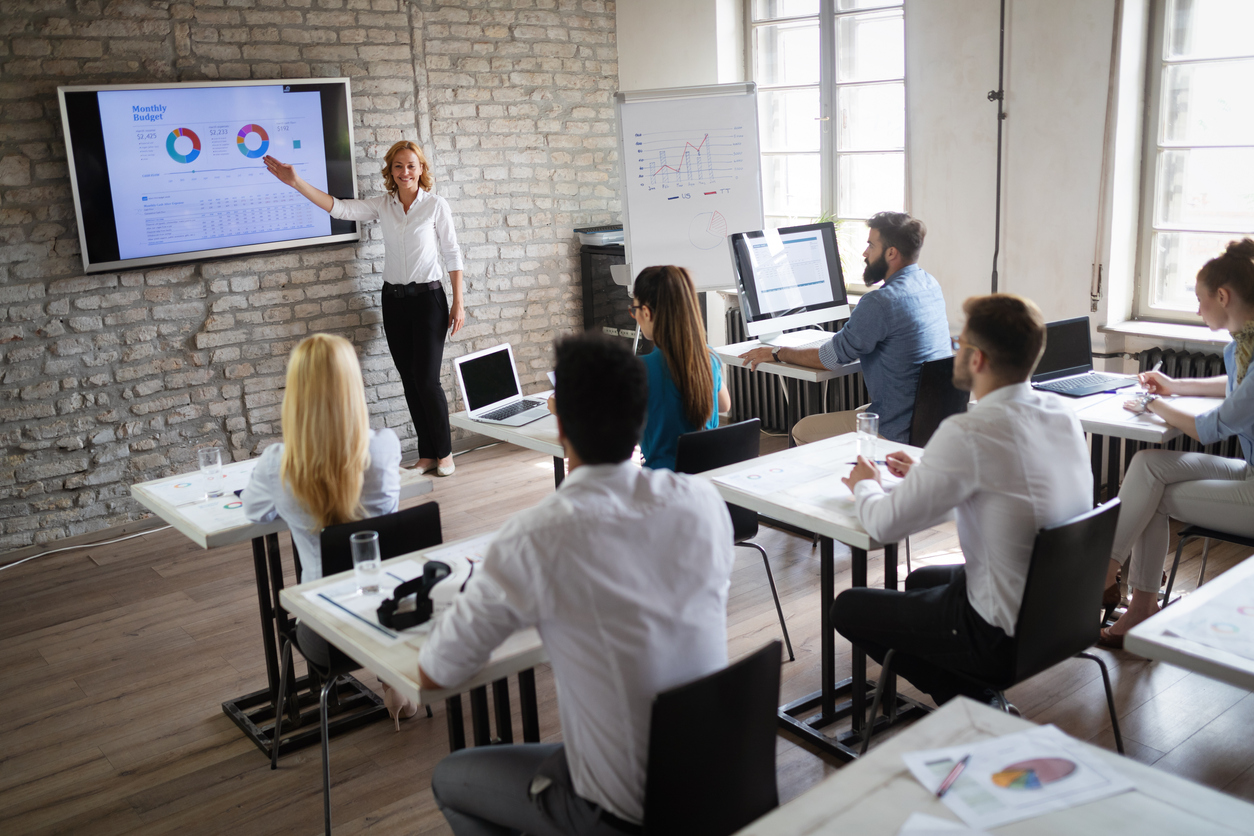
(625, 573)
(1015, 463)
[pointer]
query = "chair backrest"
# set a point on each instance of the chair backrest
(935, 399)
(1063, 596)
(711, 766)
(707, 449)
(399, 533)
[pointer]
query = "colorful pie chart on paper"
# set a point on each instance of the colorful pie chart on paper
(231, 506)
(182, 145)
(1033, 774)
(262, 143)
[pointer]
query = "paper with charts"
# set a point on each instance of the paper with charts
(1017, 776)
(345, 603)
(814, 485)
(1226, 622)
(187, 488)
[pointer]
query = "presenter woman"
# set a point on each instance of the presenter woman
(686, 387)
(1197, 488)
(417, 228)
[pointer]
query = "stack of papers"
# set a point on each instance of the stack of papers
(1017, 776)
(1226, 622)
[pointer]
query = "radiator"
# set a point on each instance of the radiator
(1189, 364)
(762, 395)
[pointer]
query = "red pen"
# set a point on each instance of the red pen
(951, 777)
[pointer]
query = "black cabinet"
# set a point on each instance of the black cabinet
(605, 304)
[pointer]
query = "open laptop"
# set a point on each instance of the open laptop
(1066, 367)
(490, 390)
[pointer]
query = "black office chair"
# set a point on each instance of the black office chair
(1061, 598)
(707, 449)
(935, 399)
(1193, 532)
(711, 766)
(399, 533)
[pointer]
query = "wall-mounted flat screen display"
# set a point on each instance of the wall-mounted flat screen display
(174, 172)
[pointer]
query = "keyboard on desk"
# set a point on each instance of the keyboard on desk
(1086, 384)
(510, 410)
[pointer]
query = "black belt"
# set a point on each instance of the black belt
(398, 291)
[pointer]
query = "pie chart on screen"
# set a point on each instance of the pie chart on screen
(252, 141)
(1033, 774)
(182, 145)
(708, 230)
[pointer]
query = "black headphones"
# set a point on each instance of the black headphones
(433, 572)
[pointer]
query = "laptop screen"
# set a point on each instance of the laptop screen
(1068, 350)
(488, 379)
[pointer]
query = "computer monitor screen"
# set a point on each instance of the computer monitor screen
(1068, 350)
(489, 378)
(788, 278)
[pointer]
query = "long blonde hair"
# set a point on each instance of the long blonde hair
(677, 331)
(326, 430)
(424, 181)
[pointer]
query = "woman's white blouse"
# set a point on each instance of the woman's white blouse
(266, 497)
(411, 240)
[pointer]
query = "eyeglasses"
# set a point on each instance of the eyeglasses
(633, 307)
(955, 344)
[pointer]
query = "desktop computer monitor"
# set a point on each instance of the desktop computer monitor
(788, 278)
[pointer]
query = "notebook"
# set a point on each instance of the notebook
(490, 389)
(1066, 367)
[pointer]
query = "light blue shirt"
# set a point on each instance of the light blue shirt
(266, 497)
(665, 421)
(1235, 416)
(893, 330)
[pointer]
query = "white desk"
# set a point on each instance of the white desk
(1149, 638)
(540, 436)
(877, 794)
(397, 663)
(730, 355)
(833, 520)
(254, 713)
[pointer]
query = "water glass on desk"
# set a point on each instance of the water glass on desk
(211, 471)
(868, 432)
(366, 562)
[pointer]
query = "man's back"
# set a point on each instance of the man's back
(625, 572)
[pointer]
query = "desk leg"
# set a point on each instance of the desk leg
(857, 661)
(1096, 463)
(1112, 465)
(261, 570)
(559, 471)
(479, 716)
(456, 725)
(500, 706)
(529, 706)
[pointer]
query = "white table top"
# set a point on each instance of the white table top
(877, 793)
(730, 355)
(1103, 414)
(540, 436)
(397, 663)
(831, 516)
(1149, 638)
(412, 484)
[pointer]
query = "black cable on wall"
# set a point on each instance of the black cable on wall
(999, 96)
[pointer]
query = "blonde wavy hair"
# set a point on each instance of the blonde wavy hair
(424, 182)
(326, 431)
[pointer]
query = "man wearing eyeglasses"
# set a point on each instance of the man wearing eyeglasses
(893, 331)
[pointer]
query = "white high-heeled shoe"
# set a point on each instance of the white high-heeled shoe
(398, 707)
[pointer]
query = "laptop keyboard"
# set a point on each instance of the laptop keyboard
(1084, 381)
(511, 410)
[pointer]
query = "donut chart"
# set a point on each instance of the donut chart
(1033, 774)
(241, 141)
(172, 149)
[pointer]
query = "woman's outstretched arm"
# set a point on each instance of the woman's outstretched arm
(287, 174)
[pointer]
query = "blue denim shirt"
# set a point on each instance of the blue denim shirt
(894, 330)
(1235, 416)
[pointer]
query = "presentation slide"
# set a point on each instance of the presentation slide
(789, 271)
(186, 173)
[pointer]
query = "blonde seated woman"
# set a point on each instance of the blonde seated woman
(330, 468)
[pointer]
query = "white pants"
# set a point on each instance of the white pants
(1210, 491)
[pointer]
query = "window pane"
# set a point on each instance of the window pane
(870, 183)
(870, 47)
(789, 120)
(1206, 188)
(1177, 258)
(790, 185)
(872, 117)
(846, 5)
(1209, 28)
(767, 9)
(850, 244)
(1209, 104)
(787, 53)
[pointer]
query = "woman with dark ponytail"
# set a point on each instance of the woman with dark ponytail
(686, 387)
(1210, 491)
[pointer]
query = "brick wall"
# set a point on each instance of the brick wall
(111, 379)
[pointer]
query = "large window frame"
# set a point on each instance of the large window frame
(835, 162)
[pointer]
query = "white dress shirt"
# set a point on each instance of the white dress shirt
(1015, 463)
(625, 572)
(266, 497)
(411, 240)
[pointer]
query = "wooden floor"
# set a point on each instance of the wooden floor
(115, 660)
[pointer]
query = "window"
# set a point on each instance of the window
(1199, 159)
(832, 112)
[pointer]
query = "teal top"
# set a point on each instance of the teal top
(665, 421)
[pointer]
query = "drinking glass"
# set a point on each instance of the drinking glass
(868, 431)
(211, 471)
(366, 563)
